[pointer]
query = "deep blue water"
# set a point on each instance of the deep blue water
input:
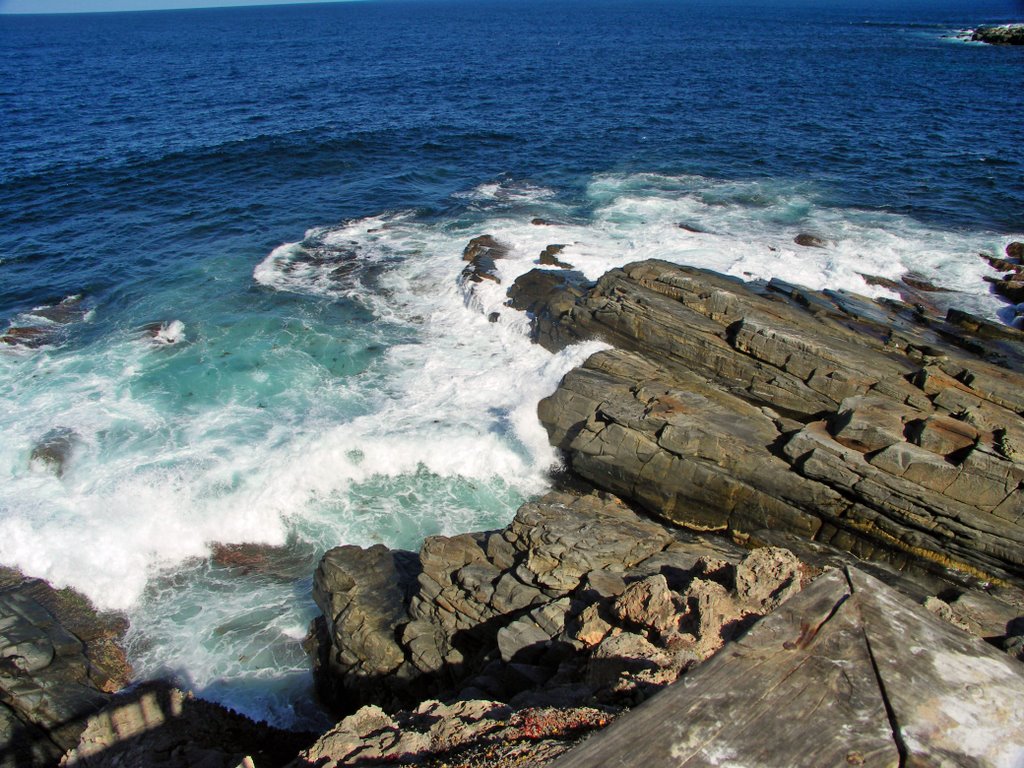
(151, 163)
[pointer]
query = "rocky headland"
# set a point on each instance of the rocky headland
(1000, 34)
(790, 526)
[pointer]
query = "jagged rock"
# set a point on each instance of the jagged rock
(362, 594)
(1015, 250)
(831, 679)
(737, 407)
(482, 252)
(509, 613)
(648, 603)
(549, 257)
(469, 732)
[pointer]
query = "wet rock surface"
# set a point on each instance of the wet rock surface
(59, 663)
(482, 252)
(736, 406)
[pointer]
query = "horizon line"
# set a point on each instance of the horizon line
(246, 4)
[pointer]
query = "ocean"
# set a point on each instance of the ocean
(231, 241)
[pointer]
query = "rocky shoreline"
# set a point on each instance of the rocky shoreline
(740, 448)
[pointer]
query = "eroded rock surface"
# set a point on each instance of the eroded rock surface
(578, 601)
(849, 672)
(736, 406)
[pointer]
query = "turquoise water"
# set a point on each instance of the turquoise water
(236, 236)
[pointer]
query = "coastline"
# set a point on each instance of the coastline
(549, 597)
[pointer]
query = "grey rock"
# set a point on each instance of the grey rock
(728, 406)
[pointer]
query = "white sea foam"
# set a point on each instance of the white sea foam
(170, 333)
(249, 434)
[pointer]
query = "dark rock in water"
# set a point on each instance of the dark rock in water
(810, 241)
(548, 257)
(721, 409)
(165, 332)
(1015, 250)
(882, 282)
(547, 296)
(691, 228)
(289, 562)
(481, 253)
(1001, 264)
(1010, 288)
(494, 317)
(30, 337)
(545, 223)
(920, 284)
(1005, 34)
(59, 659)
(55, 448)
(70, 310)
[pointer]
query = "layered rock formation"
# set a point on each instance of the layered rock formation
(578, 601)
(831, 679)
(59, 663)
(732, 406)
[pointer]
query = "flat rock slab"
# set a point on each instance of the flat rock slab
(848, 672)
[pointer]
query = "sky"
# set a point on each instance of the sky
(85, 6)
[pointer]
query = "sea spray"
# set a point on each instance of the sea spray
(363, 392)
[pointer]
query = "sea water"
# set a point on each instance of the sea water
(239, 233)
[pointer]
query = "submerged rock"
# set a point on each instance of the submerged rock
(54, 449)
(810, 241)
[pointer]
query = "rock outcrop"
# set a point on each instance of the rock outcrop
(59, 663)
(849, 672)
(735, 406)
(578, 601)
(482, 252)
(1003, 34)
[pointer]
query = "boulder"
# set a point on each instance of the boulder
(482, 252)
